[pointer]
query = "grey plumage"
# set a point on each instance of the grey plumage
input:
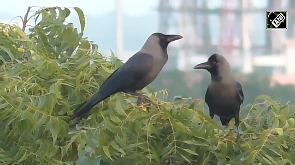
(224, 95)
(139, 71)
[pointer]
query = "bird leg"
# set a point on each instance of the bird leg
(142, 100)
(238, 134)
(237, 123)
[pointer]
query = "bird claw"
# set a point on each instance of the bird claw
(144, 101)
(238, 134)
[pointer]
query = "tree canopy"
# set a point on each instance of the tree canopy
(49, 68)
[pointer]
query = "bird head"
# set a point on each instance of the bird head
(160, 39)
(164, 39)
(217, 65)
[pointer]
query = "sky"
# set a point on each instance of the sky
(91, 7)
(100, 19)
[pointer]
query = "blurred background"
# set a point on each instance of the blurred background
(263, 60)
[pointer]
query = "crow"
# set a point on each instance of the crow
(139, 71)
(224, 95)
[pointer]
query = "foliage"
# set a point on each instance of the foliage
(50, 70)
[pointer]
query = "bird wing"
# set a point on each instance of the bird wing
(208, 101)
(139, 65)
(121, 79)
(207, 95)
(240, 94)
(129, 74)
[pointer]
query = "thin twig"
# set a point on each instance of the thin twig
(25, 20)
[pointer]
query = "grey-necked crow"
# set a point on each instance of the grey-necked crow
(139, 71)
(224, 95)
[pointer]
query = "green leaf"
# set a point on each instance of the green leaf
(185, 158)
(250, 158)
(116, 147)
(54, 129)
(180, 127)
(272, 161)
(23, 158)
(196, 143)
(21, 33)
(40, 122)
(111, 127)
(45, 42)
(8, 52)
(279, 131)
(119, 107)
(189, 151)
(114, 118)
(63, 13)
(81, 18)
(107, 151)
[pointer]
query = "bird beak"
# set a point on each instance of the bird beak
(205, 65)
(171, 38)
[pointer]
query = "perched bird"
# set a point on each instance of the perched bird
(224, 95)
(139, 71)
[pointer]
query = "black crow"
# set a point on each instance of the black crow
(224, 95)
(139, 71)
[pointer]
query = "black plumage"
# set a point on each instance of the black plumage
(224, 95)
(139, 71)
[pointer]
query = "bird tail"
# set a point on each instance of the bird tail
(82, 110)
